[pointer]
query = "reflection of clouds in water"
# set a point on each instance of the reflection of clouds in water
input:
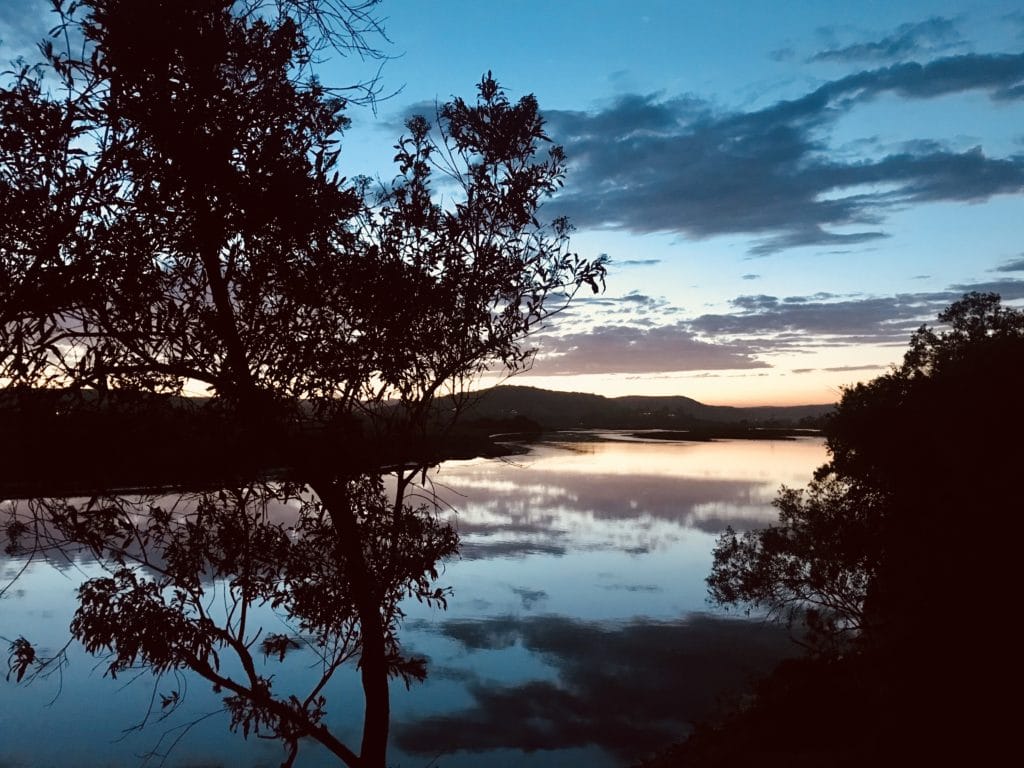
(788, 461)
(626, 687)
(633, 587)
(471, 550)
(546, 503)
(674, 482)
(530, 597)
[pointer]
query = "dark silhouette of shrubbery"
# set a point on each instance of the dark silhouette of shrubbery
(896, 564)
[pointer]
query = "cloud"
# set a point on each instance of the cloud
(1014, 265)
(929, 36)
(647, 163)
(670, 673)
(767, 322)
(633, 588)
(628, 349)
(636, 262)
(23, 23)
(751, 276)
(1009, 289)
(880, 319)
(742, 339)
(843, 368)
(485, 550)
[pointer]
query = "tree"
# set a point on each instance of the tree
(912, 453)
(812, 569)
(172, 217)
(900, 561)
(905, 541)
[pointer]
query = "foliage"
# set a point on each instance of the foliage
(173, 219)
(867, 550)
(905, 539)
(165, 564)
(813, 567)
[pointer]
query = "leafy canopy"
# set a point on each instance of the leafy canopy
(883, 539)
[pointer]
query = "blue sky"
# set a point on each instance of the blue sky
(785, 191)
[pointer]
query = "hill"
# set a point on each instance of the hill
(551, 410)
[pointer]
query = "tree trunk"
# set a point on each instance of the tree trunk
(373, 662)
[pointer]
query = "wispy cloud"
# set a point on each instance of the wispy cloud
(23, 24)
(912, 39)
(636, 262)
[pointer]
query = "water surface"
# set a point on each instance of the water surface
(578, 633)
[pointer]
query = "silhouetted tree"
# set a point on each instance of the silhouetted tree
(910, 451)
(172, 218)
(901, 540)
(813, 568)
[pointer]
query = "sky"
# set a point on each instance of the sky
(784, 191)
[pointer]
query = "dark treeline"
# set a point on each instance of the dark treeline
(896, 567)
(197, 442)
(79, 442)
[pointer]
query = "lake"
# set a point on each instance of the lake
(578, 633)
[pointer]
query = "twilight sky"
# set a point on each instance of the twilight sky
(785, 191)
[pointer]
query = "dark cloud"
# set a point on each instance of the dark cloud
(929, 36)
(23, 23)
(669, 674)
(1009, 289)
(628, 349)
(652, 164)
(820, 296)
(751, 276)
(782, 54)
(822, 319)
(1014, 265)
(485, 550)
(633, 588)
(639, 298)
(1016, 19)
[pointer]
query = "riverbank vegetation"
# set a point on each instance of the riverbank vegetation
(895, 566)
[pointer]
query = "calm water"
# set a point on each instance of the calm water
(578, 633)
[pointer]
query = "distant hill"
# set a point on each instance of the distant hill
(578, 410)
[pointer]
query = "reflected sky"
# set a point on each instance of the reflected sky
(578, 633)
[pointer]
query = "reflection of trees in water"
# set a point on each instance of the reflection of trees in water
(181, 583)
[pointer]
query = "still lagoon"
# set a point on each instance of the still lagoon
(578, 632)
